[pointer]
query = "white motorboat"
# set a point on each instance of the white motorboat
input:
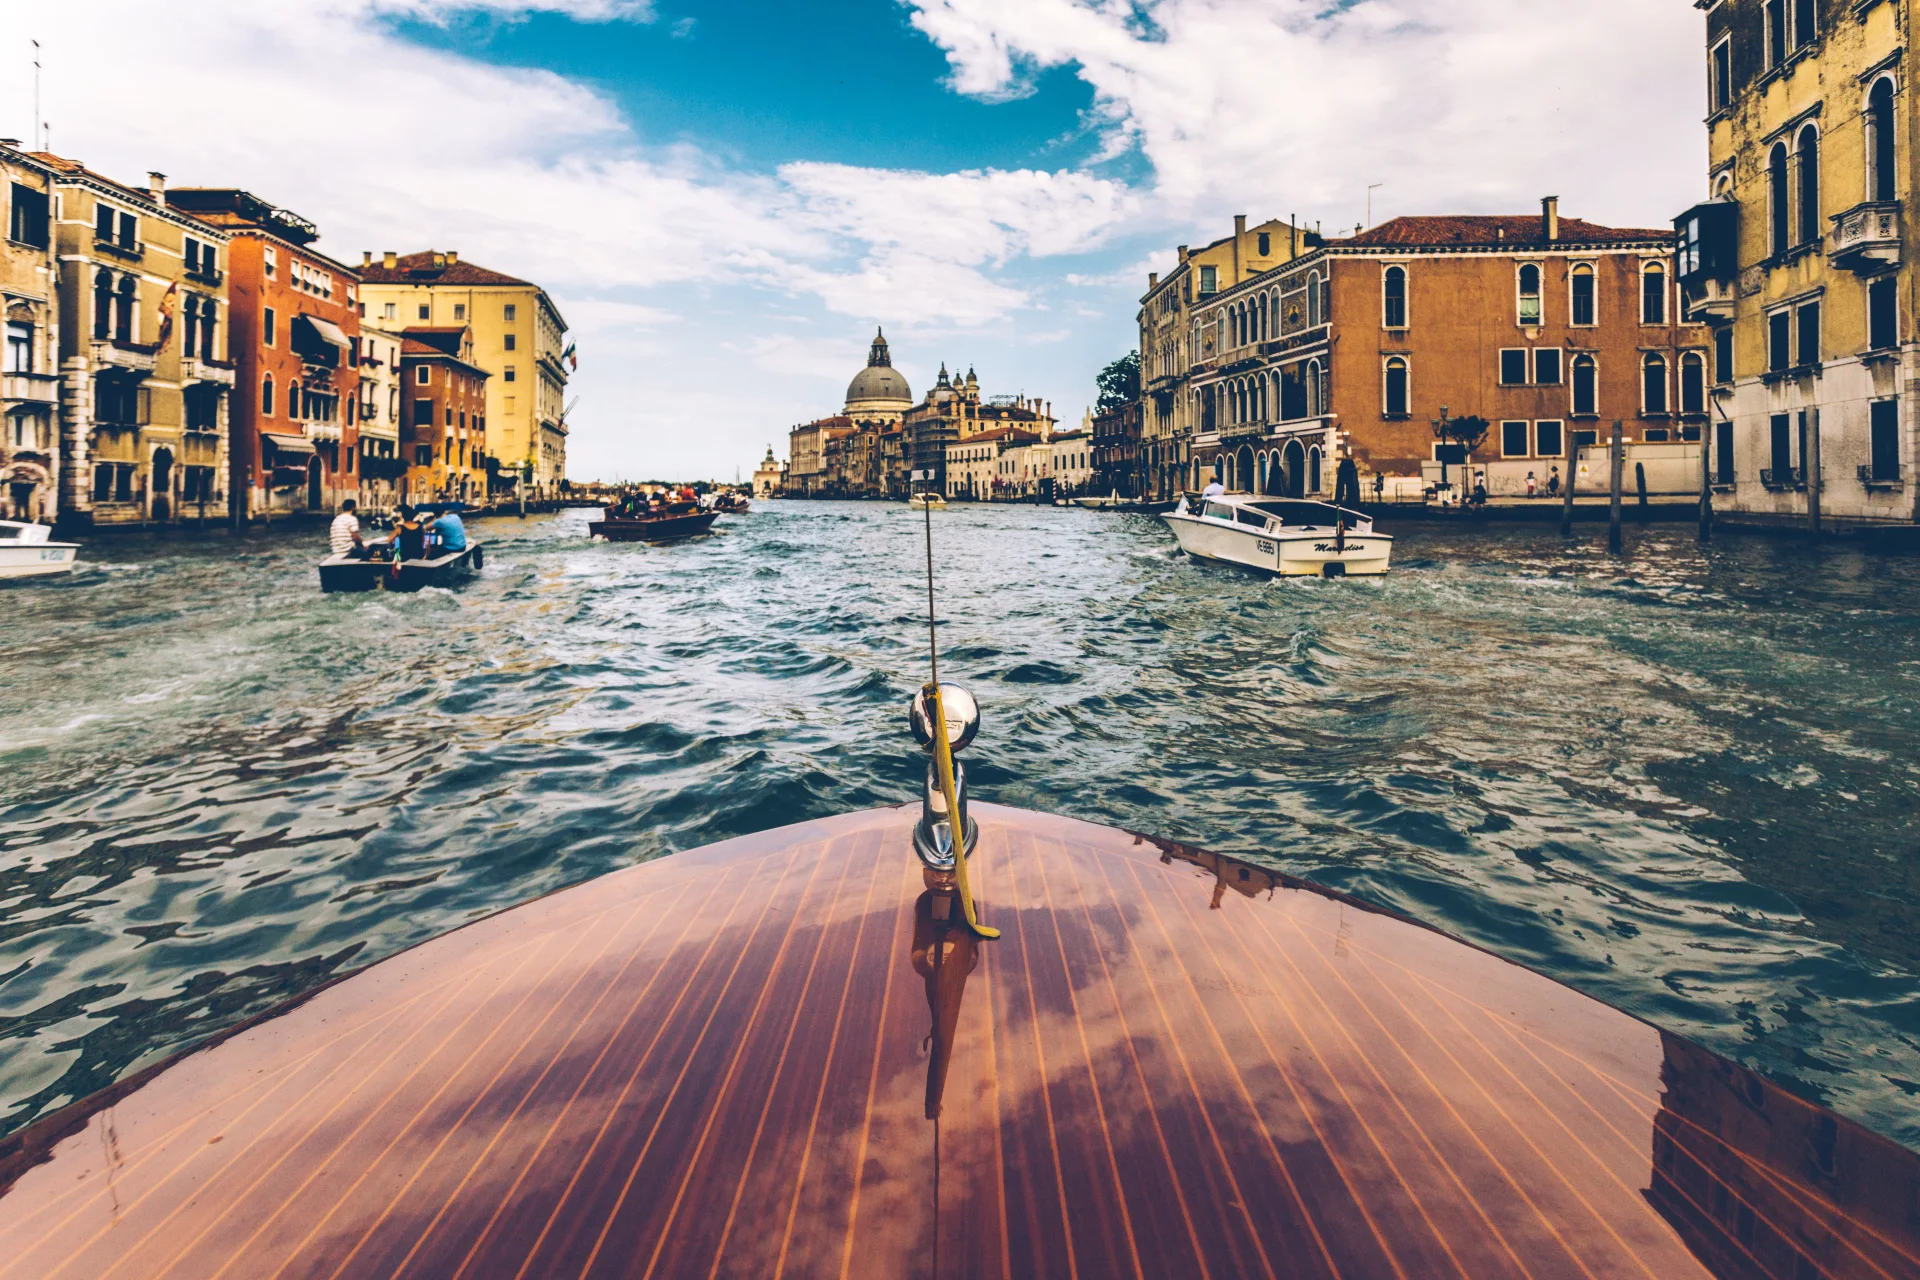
(921, 501)
(1289, 536)
(1107, 503)
(26, 552)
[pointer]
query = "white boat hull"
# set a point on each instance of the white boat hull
(37, 559)
(1307, 553)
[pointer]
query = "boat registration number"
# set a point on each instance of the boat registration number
(1263, 545)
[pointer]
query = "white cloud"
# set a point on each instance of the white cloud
(1279, 106)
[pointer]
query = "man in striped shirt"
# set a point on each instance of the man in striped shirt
(343, 537)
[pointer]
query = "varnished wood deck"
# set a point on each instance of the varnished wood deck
(718, 1064)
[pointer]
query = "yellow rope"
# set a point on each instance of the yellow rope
(943, 762)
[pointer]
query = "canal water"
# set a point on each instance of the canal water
(1683, 781)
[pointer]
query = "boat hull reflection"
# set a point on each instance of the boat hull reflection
(1170, 1064)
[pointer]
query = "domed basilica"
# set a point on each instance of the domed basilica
(878, 394)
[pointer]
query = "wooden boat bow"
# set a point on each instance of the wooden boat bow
(1172, 1063)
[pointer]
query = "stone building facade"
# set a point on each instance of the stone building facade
(381, 465)
(1169, 353)
(29, 378)
(1803, 260)
(1117, 464)
(143, 352)
(294, 440)
(519, 340)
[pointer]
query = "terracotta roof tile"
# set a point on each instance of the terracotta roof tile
(1443, 230)
(418, 268)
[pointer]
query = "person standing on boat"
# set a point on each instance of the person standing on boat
(1214, 488)
(451, 532)
(343, 535)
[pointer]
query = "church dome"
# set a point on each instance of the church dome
(879, 380)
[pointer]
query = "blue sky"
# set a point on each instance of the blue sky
(725, 198)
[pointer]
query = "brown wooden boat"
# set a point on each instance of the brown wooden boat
(660, 528)
(785, 1056)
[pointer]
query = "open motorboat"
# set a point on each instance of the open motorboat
(1289, 536)
(27, 552)
(342, 572)
(809, 1053)
(1107, 503)
(926, 501)
(681, 521)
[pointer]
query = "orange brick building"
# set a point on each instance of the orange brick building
(443, 431)
(294, 331)
(1545, 326)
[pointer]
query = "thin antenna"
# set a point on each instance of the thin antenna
(38, 124)
(1370, 191)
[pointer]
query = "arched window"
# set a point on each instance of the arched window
(1313, 300)
(102, 304)
(209, 318)
(1273, 307)
(1809, 150)
(1653, 381)
(1314, 407)
(1260, 389)
(1653, 294)
(1529, 294)
(1880, 149)
(1393, 286)
(1693, 383)
(1581, 295)
(1313, 471)
(123, 302)
(266, 396)
(1326, 301)
(1779, 221)
(1585, 386)
(1396, 387)
(1262, 319)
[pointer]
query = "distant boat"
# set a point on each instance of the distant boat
(1107, 503)
(1287, 536)
(921, 501)
(660, 528)
(25, 551)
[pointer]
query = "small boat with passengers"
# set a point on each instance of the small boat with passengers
(1292, 537)
(666, 525)
(952, 1039)
(377, 567)
(27, 551)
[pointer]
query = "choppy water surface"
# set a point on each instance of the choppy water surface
(1683, 781)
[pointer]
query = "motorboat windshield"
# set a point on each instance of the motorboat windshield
(1297, 514)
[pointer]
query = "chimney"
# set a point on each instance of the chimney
(1239, 224)
(157, 187)
(1153, 279)
(366, 259)
(389, 259)
(439, 259)
(1550, 217)
(452, 257)
(1183, 253)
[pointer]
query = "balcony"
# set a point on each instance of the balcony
(211, 276)
(131, 250)
(194, 369)
(132, 357)
(30, 388)
(1871, 480)
(1709, 301)
(323, 431)
(1866, 237)
(1782, 480)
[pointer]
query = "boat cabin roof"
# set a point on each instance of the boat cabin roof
(767, 1057)
(1292, 511)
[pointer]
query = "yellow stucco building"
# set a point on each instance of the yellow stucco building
(519, 338)
(1802, 260)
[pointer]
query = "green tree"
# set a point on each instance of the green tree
(1119, 383)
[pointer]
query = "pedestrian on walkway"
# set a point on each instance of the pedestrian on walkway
(1553, 483)
(1532, 486)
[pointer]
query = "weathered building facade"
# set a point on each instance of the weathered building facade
(1117, 466)
(1171, 352)
(1802, 260)
(29, 378)
(1548, 327)
(294, 438)
(144, 331)
(519, 340)
(444, 437)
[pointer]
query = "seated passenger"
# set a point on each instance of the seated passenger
(451, 532)
(343, 536)
(409, 536)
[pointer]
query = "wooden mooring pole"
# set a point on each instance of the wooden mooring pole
(1618, 458)
(1706, 480)
(1812, 463)
(1573, 469)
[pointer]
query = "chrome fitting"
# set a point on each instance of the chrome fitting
(933, 834)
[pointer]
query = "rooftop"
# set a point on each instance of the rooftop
(1484, 230)
(432, 266)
